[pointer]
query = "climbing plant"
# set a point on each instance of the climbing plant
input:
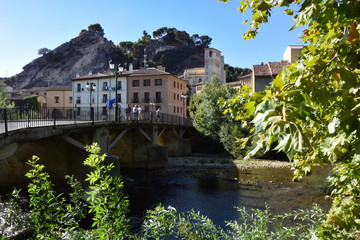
(311, 110)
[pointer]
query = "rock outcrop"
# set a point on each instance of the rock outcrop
(89, 52)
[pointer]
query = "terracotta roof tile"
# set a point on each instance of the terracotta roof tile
(269, 69)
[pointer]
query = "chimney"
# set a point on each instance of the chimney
(77, 75)
(131, 68)
(160, 67)
(90, 73)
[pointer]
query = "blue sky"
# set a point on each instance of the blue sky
(26, 26)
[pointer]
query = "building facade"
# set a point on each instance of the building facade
(154, 88)
(214, 65)
(98, 92)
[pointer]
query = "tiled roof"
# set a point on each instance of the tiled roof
(134, 73)
(60, 88)
(146, 71)
(269, 69)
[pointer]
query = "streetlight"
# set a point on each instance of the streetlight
(183, 97)
(117, 70)
(91, 87)
(152, 109)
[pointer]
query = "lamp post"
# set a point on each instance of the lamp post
(117, 69)
(183, 97)
(91, 87)
(152, 109)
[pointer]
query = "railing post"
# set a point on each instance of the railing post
(54, 114)
(5, 122)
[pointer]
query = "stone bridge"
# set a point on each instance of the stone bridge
(130, 144)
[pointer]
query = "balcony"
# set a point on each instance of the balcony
(134, 100)
(78, 101)
(146, 100)
(158, 100)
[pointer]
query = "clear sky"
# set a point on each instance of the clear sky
(26, 26)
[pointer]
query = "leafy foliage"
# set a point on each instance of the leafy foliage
(311, 110)
(55, 217)
(32, 102)
(167, 223)
(208, 117)
(106, 199)
(233, 73)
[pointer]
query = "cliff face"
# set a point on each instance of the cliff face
(90, 51)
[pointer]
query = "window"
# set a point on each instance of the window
(210, 54)
(104, 111)
(174, 96)
(146, 82)
(70, 99)
(158, 82)
(119, 97)
(178, 85)
(135, 83)
(135, 97)
(177, 109)
(174, 84)
(105, 86)
(174, 109)
(104, 98)
(56, 99)
(177, 97)
(146, 97)
(119, 85)
(78, 88)
(181, 86)
(78, 100)
(158, 97)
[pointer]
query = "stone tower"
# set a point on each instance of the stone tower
(214, 64)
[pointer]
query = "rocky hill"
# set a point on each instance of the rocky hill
(91, 52)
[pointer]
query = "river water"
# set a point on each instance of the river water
(215, 191)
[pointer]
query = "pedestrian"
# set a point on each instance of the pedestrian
(127, 112)
(135, 112)
(158, 111)
(140, 112)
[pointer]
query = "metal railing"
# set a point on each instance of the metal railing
(17, 118)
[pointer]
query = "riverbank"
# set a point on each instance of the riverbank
(206, 160)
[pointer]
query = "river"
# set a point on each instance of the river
(215, 189)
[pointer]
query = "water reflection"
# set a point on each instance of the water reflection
(215, 191)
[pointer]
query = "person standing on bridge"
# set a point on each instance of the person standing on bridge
(135, 112)
(127, 112)
(140, 112)
(158, 111)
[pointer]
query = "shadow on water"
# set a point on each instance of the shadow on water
(215, 190)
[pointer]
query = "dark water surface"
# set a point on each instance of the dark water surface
(214, 191)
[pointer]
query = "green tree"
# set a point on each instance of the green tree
(32, 102)
(43, 51)
(208, 117)
(96, 27)
(311, 110)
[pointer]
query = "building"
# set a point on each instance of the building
(59, 97)
(263, 74)
(98, 92)
(213, 66)
(153, 88)
(291, 53)
(149, 87)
